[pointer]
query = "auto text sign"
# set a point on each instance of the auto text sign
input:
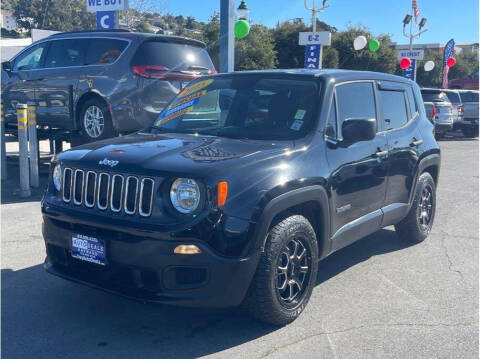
(411, 54)
(106, 5)
(410, 72)
(312, 56)
(315, 38)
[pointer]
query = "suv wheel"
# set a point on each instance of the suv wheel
(418, 223)
(286, 273)
(96, 121)
(470, 132)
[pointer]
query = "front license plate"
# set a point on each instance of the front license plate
(88, 249)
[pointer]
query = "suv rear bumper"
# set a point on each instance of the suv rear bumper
(146, 268)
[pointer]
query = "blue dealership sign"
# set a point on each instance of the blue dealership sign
(410, 72)
(105, 20)
(312, 56)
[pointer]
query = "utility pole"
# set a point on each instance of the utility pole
(227, 40)
(314, 11)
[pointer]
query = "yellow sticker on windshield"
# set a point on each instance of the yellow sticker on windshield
(197, 87)
(187, 99)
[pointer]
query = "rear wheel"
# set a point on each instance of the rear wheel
(286, 273)
(419, 221)
(96, 121)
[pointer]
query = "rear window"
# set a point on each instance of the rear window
(104, 51)
(469, 96)
(434, 96)
(174, 56)
(454, 97)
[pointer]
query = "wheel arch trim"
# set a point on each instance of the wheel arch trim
(291, 199)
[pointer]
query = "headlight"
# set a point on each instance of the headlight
(57, 177)
(185, 195)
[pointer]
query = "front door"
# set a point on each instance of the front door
(19, 85)
(359, 171)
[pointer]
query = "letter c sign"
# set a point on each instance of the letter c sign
(105, 20)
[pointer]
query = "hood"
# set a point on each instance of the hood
(170, 153)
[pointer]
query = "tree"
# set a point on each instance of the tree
(289, 53)
(383, 60)
(256, 51)
(211, 37)
(53, 15)
(136, 16)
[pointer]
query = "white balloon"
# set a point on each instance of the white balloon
(429, 65)
(359, 43)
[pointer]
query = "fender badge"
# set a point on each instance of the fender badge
(108, 162)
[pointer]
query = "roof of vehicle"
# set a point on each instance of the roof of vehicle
(335, 74)
(431, 89)
(119, 33)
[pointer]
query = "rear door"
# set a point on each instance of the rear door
(163, 69)
(399, 120)
(18, 85)
(62, 70)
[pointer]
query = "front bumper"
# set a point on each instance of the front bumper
(146, 269)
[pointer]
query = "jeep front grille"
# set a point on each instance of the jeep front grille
(116, 192)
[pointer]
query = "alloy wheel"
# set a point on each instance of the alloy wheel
(93, 121)
(425, 208)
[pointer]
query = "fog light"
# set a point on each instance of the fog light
(187, 249)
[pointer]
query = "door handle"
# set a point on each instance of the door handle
(381, 154)
(415, 142)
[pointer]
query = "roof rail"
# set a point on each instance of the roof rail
(90, 31)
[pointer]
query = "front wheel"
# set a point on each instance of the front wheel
(419, 221)
(96, 121)
(286, 273)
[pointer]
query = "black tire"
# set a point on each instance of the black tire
(470, 132)
(94, 133)
(419, 221)
(265, 301)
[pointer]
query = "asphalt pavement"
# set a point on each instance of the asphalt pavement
(378, 298)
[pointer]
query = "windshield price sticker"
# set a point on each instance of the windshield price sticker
(296, 125)
(192, 89)
(187, 99)
(300, 114)
(179, 108)
(174, 115)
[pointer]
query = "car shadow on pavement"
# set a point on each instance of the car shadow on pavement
(48, 317)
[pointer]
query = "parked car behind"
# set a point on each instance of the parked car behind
(458, 109)
(469, 123)
(101, 83)
(444, 110)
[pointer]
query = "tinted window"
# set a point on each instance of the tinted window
(66, 53)
(469, 96)
(355, 100)
(254, 107)
(30, 59)
(331, 129)
(104, 51)
(434, 96)
(394, 109)
(454, 97)
(172, 56)
(412, 103)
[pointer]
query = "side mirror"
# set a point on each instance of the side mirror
(7, 66)
(358, 129)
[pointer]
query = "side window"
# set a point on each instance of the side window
(331, 128)
(104, 51)
(30, 59)
(66, 53)
(394, 109)
(411, 101)
(355, 100)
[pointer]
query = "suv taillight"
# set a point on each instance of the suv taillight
(434, 113)
(461, 108)
(160, 72)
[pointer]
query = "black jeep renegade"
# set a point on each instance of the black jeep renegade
(242, 184)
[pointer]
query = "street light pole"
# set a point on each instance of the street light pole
(408, 21)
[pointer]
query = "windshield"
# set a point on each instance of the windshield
(469, 96)
(253, 107)
(434, 96)
(454, 97)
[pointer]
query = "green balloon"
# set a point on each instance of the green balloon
(373, 45)
(241, 29)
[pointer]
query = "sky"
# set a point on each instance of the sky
(447, 19)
